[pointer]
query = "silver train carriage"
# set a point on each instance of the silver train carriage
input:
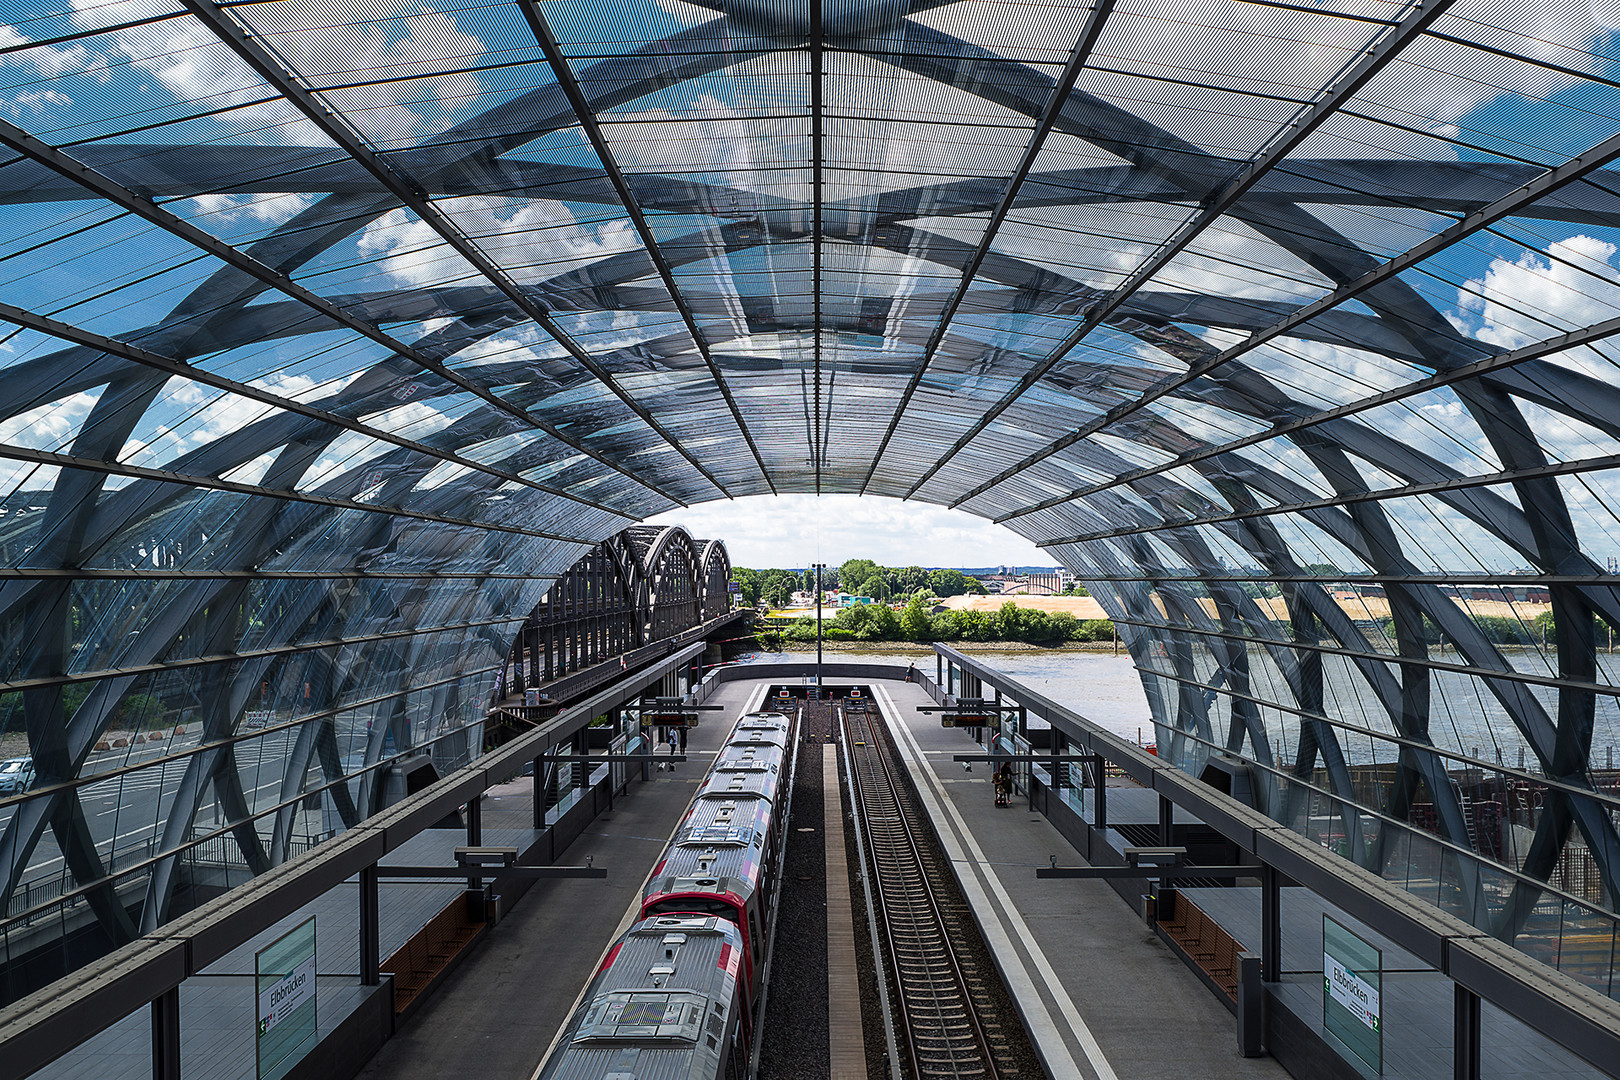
(666, 1004)
(726, 854)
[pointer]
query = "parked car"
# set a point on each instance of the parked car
(15, 775)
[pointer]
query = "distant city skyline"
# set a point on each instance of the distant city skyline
(796, 530)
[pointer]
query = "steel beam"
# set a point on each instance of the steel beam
(410, 194)
(535, 17)
(166, 1035)
(817, 166)
(171, 366)
(211, 483)
(1084, 43)
(52, 158)
(1217, 203)
(1547, 183)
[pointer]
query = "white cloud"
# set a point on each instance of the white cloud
(399, 44)
(1535, 297)
(38, 102)
(796, 530)
(532, 240)
(48, 427)
(272, 208)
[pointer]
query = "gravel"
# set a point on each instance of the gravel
(796, 1037)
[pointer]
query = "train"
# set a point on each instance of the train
(679, 994)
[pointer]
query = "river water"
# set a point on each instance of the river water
(1465, 717)
(1103, 688)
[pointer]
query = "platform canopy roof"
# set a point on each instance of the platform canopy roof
(336, 328)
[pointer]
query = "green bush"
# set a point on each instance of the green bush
(1093, 630)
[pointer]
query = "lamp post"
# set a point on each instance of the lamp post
(819, 567)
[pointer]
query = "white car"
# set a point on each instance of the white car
(15, 775)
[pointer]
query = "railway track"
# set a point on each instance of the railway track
(953, 1018)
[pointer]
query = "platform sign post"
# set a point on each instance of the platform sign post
(284, 981)
(1352, 985)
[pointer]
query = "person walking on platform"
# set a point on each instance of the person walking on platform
(1004, 785)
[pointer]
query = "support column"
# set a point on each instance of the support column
(477, 899)
(166, 1035)
(1101, 777)
(370, 938)
(1466, 1044)
(538, 789)
(1167, 822)
(1270, 925)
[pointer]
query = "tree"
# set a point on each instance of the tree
(979, 626)
(1010, 620)
(876, 586)
(748, 582)
(777, 586)
(855, 571)
(945, 626)
(1093, 630)
(885, 624)
(914, 622)
(948, 582)
(910, 580)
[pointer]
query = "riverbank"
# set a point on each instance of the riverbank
(993, 648)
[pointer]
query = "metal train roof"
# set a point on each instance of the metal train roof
(661, 1008)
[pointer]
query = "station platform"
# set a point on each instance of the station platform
(1103, 997)
(531, 963)
(1104, 988)
(495, 1016)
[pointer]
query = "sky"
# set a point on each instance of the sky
(797, 530)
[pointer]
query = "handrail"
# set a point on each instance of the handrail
(1580, 1019)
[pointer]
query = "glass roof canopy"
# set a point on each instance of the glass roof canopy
(1283, 324)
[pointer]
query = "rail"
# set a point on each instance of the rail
(943, 994)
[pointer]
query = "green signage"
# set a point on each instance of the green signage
(284, 976)
(1352, 982)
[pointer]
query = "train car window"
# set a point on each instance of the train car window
(697, 905)
(753, 930)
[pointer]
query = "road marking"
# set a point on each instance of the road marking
(973, 861)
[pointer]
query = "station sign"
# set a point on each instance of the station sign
(284, 1022)
(1352, 988)
(964, 719)
(671, 719)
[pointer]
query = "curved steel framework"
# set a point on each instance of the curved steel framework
(340, 330)
(608, 602)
